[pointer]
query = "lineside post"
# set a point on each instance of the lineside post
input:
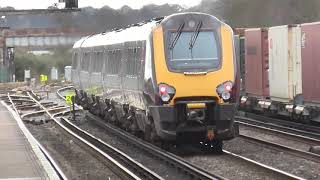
(73, 108)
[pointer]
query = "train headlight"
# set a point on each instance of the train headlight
(224, 90)
(226, 96)
(166, 92)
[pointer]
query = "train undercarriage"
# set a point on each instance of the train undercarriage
(164, 125)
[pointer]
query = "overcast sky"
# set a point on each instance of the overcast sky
(116, 4)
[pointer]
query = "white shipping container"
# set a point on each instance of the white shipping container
(285, 62)
(27, 75)
(67, 73)
(54, 74)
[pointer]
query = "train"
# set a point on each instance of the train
(172, 79)
(280, 72)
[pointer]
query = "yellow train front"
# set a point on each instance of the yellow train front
(170, 79)
(194, 72)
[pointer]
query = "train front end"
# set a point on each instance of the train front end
(195, 72)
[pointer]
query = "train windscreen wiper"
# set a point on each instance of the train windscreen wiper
(195, 35)
(174, 42)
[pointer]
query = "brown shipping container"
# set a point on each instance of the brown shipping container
(256, 63)
(310, 53)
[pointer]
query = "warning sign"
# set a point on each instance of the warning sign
(43, 78)
(70, 99)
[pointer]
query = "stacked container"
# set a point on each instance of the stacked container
(311, 62)
(54, 73)
(285, 62)
(256, 64)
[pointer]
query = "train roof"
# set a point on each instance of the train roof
(137, 32)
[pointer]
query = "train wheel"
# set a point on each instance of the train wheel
(150, 133)
(147, 133)
(218, 147)
(106, 116)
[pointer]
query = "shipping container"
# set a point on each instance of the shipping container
(54, 73)
(27, 75)
(285, 62)
(256, 62)
(310, 62)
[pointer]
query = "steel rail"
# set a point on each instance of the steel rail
(142, 171)
(55, 109)
(52, 162)
(296, 137)
(281, 174)
(290, 150)
(172, 159)
(175, 161)
(93, 143)
(282, 125)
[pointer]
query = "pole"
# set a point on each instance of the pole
(73, 108)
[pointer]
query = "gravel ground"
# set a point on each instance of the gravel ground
(158, 166)
(224, 165)
(72, 159)
(274, 158)
(230, 167)
(275, 138)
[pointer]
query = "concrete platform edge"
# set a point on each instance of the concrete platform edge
(35, 145)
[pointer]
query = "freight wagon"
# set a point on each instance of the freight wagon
(281, 66)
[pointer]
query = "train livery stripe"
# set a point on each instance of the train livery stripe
(193, 86)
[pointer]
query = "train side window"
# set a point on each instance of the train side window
(113, 62)
(130, 63)
(100, 60)
(107, 66)
(91, 61)
(117, 62)
(97, 61)
(85, 61)
(94, 61)
(75, 60)
(138, 61)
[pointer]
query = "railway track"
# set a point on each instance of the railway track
(120, 164)
(292, 143)
(281, 125)
(294, 151)
(185, 169)
(178, 161)
(52, 162)
(237, 160)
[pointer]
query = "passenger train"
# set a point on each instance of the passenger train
(172, 79)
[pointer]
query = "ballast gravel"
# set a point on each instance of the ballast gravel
(74, 161)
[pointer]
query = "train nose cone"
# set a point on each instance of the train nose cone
(315, 149)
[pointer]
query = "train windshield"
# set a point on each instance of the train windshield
(202, 56)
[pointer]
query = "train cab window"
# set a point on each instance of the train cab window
(202, 55)
(75, 60)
